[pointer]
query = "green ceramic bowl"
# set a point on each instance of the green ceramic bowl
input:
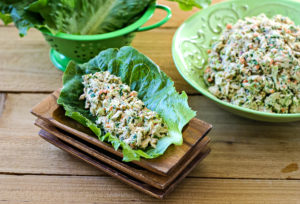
(196, 35)
(81, 48)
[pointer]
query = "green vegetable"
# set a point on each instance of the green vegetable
(14, 11)
(189, 4)
(6, 18)
(84, 17)
(155, 89)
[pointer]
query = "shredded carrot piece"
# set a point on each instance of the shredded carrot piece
(242, 60)
(229, 26)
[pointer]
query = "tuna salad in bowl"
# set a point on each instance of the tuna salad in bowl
(256, 64)
(250, 64)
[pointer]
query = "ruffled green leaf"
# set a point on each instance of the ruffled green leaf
(15, 11)
(154, 88)
(86, 17)
(189, 4)
(82, 17)
(6, 18)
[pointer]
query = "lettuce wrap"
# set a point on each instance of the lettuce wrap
(154, 88)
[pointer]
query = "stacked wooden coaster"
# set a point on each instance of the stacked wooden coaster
(156, 177)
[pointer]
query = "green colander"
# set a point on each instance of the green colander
(81, 48)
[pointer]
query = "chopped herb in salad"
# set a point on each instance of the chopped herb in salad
(256, 64)
(120, 112)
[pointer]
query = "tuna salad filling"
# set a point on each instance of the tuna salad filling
(256, 64)
(120, 112)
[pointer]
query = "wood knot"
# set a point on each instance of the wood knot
(290, 168)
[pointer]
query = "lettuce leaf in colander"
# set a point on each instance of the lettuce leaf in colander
(83, 17)
(189, 4)
(14, 11)
(87, 17)
(154, 88)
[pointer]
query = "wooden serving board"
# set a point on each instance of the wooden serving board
(155, 180)
(157, 193)
(49, 111)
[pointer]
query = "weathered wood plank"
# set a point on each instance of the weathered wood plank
(243, 148)
(240, 148)
(25, 65)
(82, 189)
(23, 151)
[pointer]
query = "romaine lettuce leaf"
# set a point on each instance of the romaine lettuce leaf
(14, 11)
(84, 17)
(6, 18)
(189, 4)
(87, 17)
(154, 88)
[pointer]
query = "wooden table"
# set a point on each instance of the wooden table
(250, 162)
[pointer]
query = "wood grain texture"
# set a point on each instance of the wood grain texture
(120, 175)
(240, 148)
(25, 65)
(85, 189)
(152, 179)
(21, 149)
(243, 148)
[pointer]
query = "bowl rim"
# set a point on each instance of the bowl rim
(207, 94)
(128, 29)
